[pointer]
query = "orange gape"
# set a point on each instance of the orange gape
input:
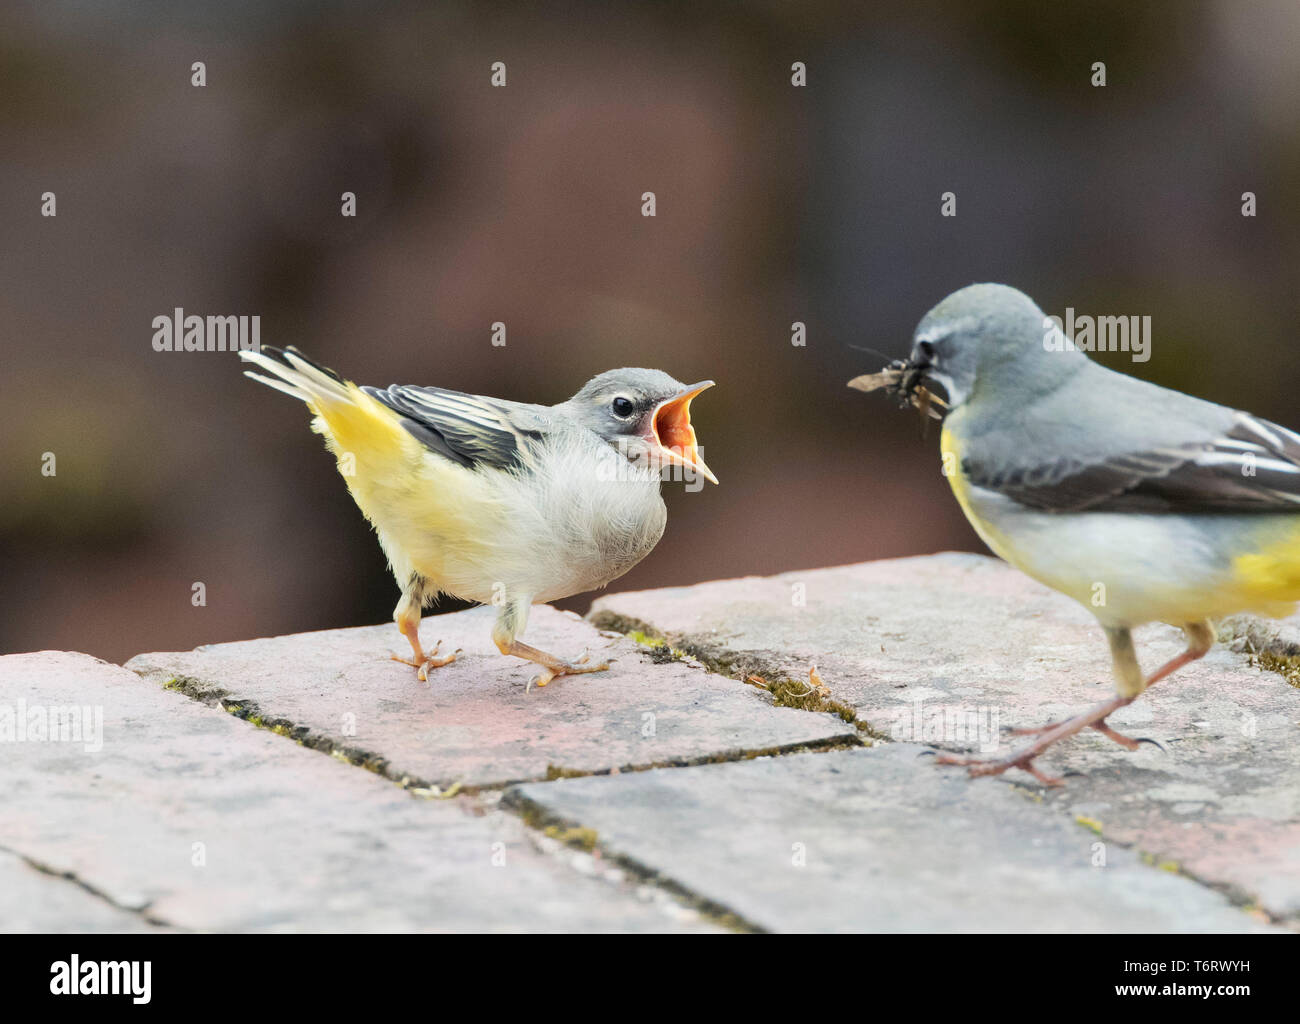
(673, 431)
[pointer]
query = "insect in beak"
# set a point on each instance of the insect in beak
(905, 381)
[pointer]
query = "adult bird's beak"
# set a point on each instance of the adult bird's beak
(671, 426)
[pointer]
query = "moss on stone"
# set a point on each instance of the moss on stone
(748, 667)
(554, 771)
(1092, 824)
(582, 838)
(1285, 665)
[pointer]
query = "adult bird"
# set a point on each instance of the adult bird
(1141, 503)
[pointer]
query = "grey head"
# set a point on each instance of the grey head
(645, 414)
(991, 338)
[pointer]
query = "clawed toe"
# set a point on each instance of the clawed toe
(422, 665)
(1124, 741)
(976, 767)
(1034, 730)
(1024, 764)
(1047, 736)
(577, 667)
(550, 665)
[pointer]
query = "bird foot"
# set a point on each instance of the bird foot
(1124, 741)
(423, 662)
(977, 766)
(1094, 718)
(565, 668)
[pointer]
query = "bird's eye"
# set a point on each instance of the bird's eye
(622, 407)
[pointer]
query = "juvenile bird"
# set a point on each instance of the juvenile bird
(501, 502)
(1142, 503)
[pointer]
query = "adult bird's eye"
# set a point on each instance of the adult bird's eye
(622, 406)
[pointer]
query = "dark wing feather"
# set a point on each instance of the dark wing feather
(468, 429)
(1252, 467)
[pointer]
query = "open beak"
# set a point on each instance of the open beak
(671, 426)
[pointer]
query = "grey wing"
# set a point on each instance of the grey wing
(1253, 466)
(468, 429)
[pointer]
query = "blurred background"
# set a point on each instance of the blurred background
(522, 204)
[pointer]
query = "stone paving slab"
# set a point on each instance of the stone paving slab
(205, 822)
(873, 839)
(952, 649)
(33, 901)
(473, 722)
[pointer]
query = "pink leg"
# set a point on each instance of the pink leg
(1200, 637)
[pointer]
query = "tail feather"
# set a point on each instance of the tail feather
(413, 497)
(279, 385)
(349, 419)
(305, 362)
(298, 376)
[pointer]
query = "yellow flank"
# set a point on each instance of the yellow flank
(1271, 576)
(950, 448)
(372, 449)
(951, 452)
(424, 508)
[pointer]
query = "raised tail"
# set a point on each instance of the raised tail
(349, 419)
(298, 376)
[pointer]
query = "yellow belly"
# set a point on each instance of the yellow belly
(1269, 578)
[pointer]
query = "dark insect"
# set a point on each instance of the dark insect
(903, 381)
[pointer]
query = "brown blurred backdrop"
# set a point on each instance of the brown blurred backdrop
(522, 205)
